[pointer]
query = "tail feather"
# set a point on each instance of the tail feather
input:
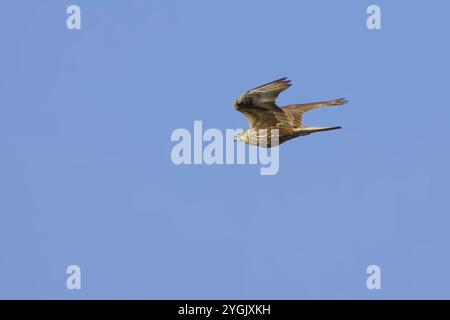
(308, 130)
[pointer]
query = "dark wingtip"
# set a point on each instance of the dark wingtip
(284, 79)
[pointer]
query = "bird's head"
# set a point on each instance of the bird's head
(243, 102)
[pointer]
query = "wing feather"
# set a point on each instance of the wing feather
(315, 105)
(258, 105)
(295, 111)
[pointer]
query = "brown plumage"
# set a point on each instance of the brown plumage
(263, 115)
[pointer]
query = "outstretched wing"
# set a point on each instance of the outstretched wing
(258, 105)
(304, 107)
(295, 111)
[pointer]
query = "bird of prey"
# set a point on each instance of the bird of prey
(264, 115)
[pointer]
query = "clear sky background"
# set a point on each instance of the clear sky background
(86, 176)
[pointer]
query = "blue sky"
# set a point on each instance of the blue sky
(86, 176)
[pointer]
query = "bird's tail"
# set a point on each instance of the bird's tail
(308, 130)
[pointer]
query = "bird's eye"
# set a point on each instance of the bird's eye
(247, 102)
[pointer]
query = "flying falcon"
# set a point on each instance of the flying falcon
(263, 115)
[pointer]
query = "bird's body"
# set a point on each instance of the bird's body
(271, 125)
